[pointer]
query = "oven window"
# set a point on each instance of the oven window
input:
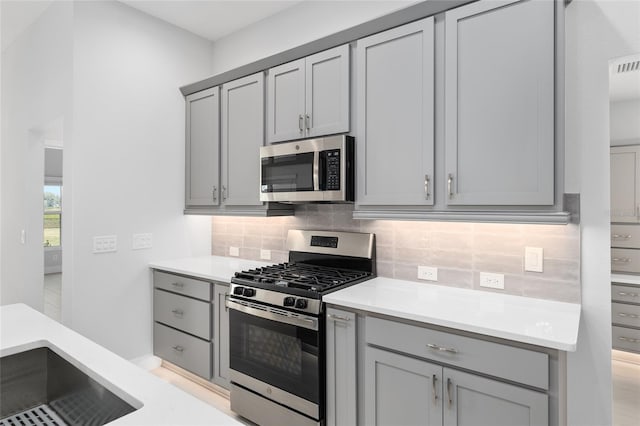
(281, 355)
(288, 173)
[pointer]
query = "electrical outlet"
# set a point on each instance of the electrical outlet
(428, 273)
(265, 254)
(533, 259)
(492, 280)
(234, 251)
(142, 241)
(105, 244)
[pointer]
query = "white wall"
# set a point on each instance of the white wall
(596, 31)
(128, 169)
(625, 122)
(36, 90)
(300, 24)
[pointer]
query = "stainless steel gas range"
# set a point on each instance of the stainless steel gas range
(277, 326)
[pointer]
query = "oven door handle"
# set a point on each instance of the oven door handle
(304, 322)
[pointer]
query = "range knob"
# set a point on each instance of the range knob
(301, 303)
(248, 292)
(238, 291)
(289, 301)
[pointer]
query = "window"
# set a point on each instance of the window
(52, 215)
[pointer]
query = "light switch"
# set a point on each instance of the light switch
(105, 244)
(142, 241)
(533, 259)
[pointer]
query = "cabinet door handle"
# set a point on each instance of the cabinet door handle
(628, 339)
(450, 185)
(427, 193)
(177, 348)
(623, 293)
(338, 317)
(620, 236)
(213, 192)
(226, 297)
(307, 122)
(449, 383)
(625, 315)
(434, 380)
(224, 193)
(620, 260)
(441, 348)
(300, 125)
(178, 312)
(176, 284)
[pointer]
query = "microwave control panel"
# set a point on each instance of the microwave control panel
(332, 176)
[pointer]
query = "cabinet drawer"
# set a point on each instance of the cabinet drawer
(625, 260)
(516, 364)
(188, 352)
(183, 285)
(627, 339)
(625, 314)
(190, 315)
(625, 293)
(625, 236)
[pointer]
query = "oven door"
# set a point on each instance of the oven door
(277, 354)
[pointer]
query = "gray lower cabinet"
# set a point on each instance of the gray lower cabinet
(395, 143)
(182, 349)
(341, 393)
(221, 335)
(499, 103)
(625, 316)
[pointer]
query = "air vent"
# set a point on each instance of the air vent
(628, 66)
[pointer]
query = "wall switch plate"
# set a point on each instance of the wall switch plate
(265, 254)
(427, 273)
(23, 236)
(490, 280)
(105, 244)
(234, 251)
(142, 241)
(533, 259)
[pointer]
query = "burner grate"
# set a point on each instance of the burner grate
(42, 415)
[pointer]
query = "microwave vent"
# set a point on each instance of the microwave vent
(628, 67)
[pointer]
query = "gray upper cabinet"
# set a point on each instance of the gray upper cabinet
(395, 116)
(242, 137)
(309, 97)
(473, 400)
(625, 184)
(499, 103)
(202, 187)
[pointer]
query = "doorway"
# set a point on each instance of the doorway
(52, 229)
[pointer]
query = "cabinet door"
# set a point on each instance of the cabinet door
(476, 401)
(221, 336)
(285, 109)
(396, 116)
(499, 103)
(625, 184)
(203, 148)
(242, 137)
(327, 92)
(341, 368)
(400, 390)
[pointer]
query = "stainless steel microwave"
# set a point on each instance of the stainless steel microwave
(311, 170)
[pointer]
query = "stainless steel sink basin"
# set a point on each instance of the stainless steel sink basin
(39, 387)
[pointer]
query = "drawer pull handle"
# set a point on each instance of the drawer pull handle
(621, 260)
(624, 315)
(435, 393)
(177, 348)
(623, 293)
(226, 298)
(338, 317)
(620, 236)
(441, 348)
(628, 339)
(449, 383)
(178, 312)
(179, 285)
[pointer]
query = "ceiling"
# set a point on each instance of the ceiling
(210, 19)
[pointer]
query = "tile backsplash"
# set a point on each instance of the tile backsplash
(460, 251)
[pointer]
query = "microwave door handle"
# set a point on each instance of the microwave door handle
(316, 171)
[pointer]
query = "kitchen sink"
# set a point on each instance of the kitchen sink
(39, 387)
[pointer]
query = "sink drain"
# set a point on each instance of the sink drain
(41, 415)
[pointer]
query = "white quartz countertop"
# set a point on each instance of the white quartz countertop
(215, 268)
(523, 319)
(23, 328)
(625, 279)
